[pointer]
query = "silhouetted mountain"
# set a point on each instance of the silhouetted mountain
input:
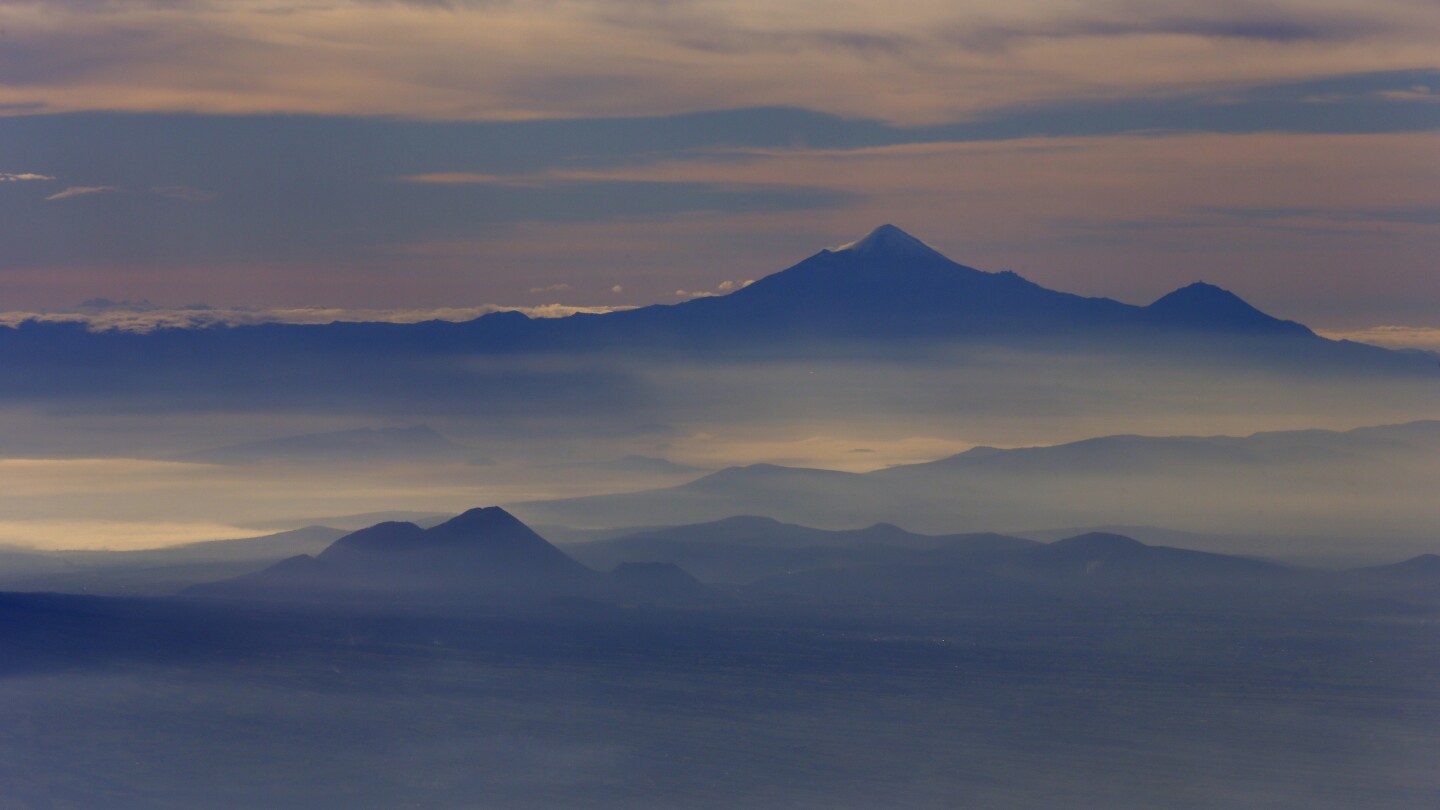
(887, 291)
(361, 520)
(1112, 560)
(1144, 453)
(1278, 483)
(1091, 566)
(745, 548)
(890, 286)
(887, 285)
(481, 556)
(1416, 577)
(1207, 307)
(418, 443)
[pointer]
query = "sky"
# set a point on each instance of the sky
(199, 162)
(273, 156)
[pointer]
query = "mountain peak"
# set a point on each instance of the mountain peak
(1103, 543)
(1206, 305)
(889, 241)
(1202, 293)
(488, 517)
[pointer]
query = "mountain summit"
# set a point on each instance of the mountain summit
(887, 291)
(888, 241)
(481, 557)
(1206, 306)
(885, 285)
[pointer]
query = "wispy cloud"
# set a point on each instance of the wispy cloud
(722, 288)
(550, 288)
(1391, 337)
(81, 191)
(915, 62)
(482, 179)
(142, 316)
(22, 177)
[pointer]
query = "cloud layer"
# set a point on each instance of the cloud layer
(142, 317)
(922, 61)
(442, 152)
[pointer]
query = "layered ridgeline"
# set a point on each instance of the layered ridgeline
(1370, 485)
(884, 288)
(763, 560)
(483, 556)
(890, 286)
(488, 559)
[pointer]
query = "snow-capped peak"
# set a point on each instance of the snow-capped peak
(888, 240)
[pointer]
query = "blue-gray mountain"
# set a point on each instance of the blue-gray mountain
(487, 558)
(483, 556)
(885, 290)
(1371, 485)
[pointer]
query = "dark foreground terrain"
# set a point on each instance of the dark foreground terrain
(172, 703)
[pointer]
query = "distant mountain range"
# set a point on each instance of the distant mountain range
(886, 287)
(486, 559)
(890, 285)
(884, 566)
(1368, 482)
(480, 557)
(741, 549)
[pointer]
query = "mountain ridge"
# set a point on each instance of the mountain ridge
(483, 556)
(1214, 485)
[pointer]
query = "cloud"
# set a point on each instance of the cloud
(913, 62)
(1391, 337)
(481, 179)
(102, 314)
(22, 177)
(860, 453)
(81, 191)
(617, 289)
(550, 288)
(114, 535)
(1418, 92)
(1260, 25)
(720, 289)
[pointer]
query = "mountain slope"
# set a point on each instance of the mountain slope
(482, 556)
(1079, 570)
(886, 287)
(745, 548)
(1288, 482)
